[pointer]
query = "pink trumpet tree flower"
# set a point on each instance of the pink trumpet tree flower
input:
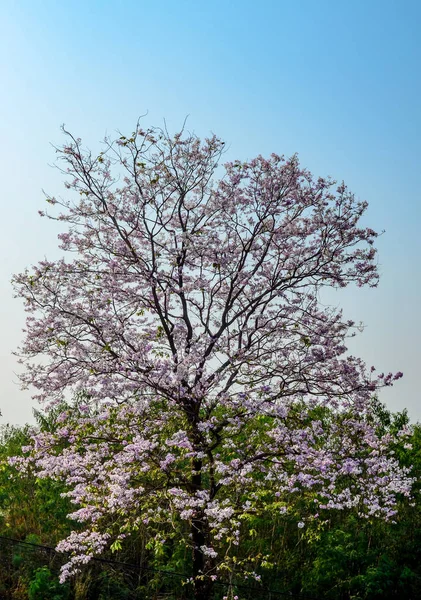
(215, 383)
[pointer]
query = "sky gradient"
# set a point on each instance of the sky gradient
(337, 82)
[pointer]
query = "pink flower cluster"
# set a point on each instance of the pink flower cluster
(187, 318)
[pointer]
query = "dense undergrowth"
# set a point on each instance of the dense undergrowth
(339, 556)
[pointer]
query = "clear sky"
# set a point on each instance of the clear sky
(339, 82)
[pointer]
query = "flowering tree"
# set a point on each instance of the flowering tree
(215, 385)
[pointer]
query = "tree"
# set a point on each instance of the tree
(214, 380)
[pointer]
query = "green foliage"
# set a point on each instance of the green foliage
(44, 586)
(28, 505)
(337, 556)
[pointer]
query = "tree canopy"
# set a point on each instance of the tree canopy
(214, 386)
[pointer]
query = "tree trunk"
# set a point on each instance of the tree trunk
(202, 585)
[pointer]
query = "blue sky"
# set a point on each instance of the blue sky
(338, 82)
